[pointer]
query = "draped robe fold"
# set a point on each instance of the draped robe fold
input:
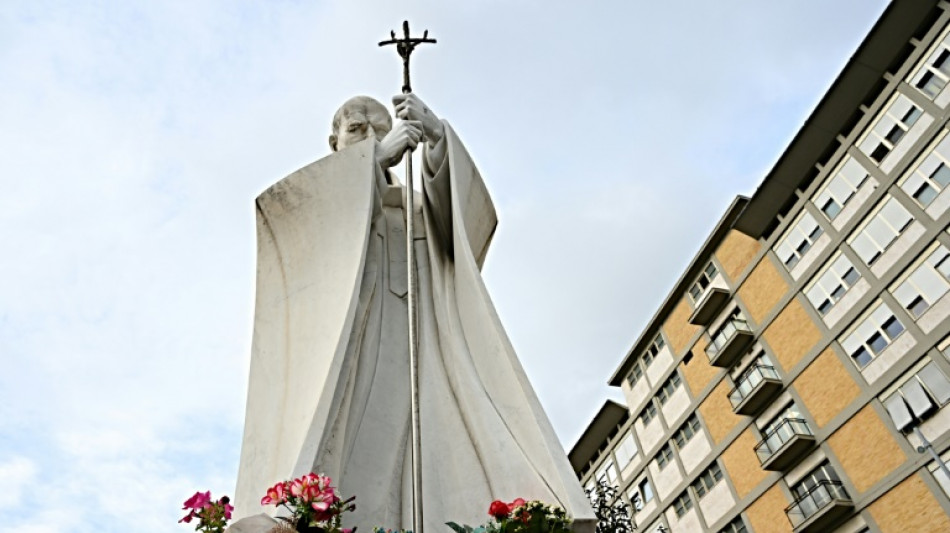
(329, 381)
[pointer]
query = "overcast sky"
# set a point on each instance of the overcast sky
(134, 137)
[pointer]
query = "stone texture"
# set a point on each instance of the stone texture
(910, 506)
(717, 412)
(677, 327)
(866, 449)
(259, 523)
(743, 465)
(767, 513)
(792, 335)
(735, 253)
(762, 290)
(698, 372)
(826, 387)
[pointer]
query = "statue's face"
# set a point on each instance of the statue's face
(354, 128)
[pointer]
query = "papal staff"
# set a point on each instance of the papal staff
(404, 47)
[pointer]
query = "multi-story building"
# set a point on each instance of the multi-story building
(797, 376)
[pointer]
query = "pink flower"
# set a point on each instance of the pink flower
(224, 502)
(276, 495)
(198, 501)
(517, 503)
(187, 519)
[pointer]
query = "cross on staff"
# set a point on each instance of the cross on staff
(405, 47)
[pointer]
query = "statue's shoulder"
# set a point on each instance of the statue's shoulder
(338, 172)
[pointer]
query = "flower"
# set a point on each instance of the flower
(198, 501)
(517, 503)
(276, 495)
(499, 509)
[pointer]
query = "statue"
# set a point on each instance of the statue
(329, 380)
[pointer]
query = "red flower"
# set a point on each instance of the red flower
(498, 509)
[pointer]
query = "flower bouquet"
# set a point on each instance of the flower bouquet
(313, 504)
(212, 516)
(520, 516)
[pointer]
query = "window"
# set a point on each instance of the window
(650, 354)
(686, 431)
(931, 176)
(736, 526)
(607, 473)
(933, 76)
(890, 128)
(921, 396)
(841, 188)
(872, 335)
(669, 387)
(789, 413)
(707, 480)
(799, 239)
(636, 372)
(832, 283)
(665, 456)
(625, 450)
(883, 229)
(641, 494)
(698, 288)
(926, 284)
(823, 472)
(648, 413)
(682, 504)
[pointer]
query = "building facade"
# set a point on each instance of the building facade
(797, 377)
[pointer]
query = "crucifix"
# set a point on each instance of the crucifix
(405, 47)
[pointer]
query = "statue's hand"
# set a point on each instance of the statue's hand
(410, 107)
(404, 136)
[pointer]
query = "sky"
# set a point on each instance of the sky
(135, 136)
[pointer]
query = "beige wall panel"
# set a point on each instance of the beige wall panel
(826, 387)
(735, 253)
(767, 514)
(762, 290)
(743, 465)
(909, 506)
(866, 449)
(792, 334)
(698, 372)
(717, 412)
(677, 328)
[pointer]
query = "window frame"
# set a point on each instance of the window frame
(879, 315)
(880, 215)
(910, 290)
(840, 181)
(830, 274)
(804, 241)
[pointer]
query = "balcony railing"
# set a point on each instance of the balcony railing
(753, 391)
(729, 342)
(820, 508)
(785, 443)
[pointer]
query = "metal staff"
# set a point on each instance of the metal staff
(404, 47)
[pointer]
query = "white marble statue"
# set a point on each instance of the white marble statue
(329, 379)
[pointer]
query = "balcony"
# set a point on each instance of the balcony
(754, 391)
(729, 343)
(710, 304)
(785, 444)
(821, 508)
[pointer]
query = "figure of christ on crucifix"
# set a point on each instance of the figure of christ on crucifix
(329, 387)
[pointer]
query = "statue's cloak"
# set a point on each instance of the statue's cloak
(328, 388)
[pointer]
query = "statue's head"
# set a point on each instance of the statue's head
(358, 119)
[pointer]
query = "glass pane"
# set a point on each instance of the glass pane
(941, 176)
(936, 382)
(851, 276)
(920, 404)
(925, 194)
(899, 412)
(861, 357)
(893, 327)
(877, 343)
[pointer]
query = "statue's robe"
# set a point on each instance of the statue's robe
(329, 379)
